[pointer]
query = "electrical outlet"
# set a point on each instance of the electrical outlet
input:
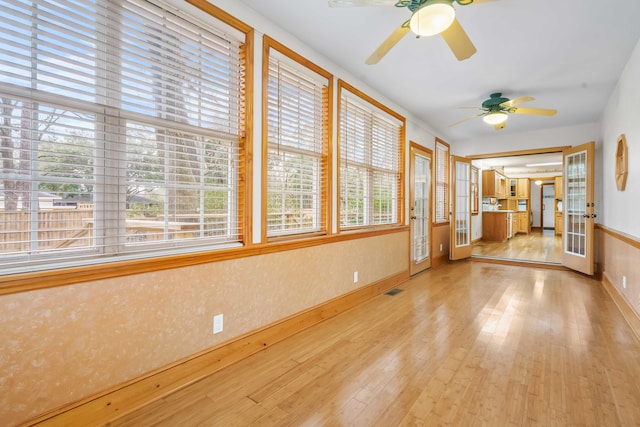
(218, 321)
(355, 277)
(624, 282)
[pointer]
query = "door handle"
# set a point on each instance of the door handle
(414, 217)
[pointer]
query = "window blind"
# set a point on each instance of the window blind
(120, 125)
(297, 115)
(442, 182)
(370, 175)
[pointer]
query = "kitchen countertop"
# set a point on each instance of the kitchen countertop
(501, 211)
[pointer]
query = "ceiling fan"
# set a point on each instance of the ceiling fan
(496, 110)
(428, 18)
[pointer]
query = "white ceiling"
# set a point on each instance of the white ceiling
(568, 54)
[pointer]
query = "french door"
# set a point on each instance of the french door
(578, 208)
(420, 207)
(460, 224)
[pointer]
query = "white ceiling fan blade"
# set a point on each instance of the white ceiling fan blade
(458, 41)
(386, 45)
(352, 3)
(517, 101)
(535, 111)
(466, 119)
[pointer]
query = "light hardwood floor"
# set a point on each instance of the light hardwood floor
(465, 344)
(538, 246)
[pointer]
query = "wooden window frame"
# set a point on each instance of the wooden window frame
(447, 166)
(156, 260)
(400, 220)
(326, 163)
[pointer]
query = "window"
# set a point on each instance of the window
(121, 126)
(474, 190)
(296, 148)
(441, 214)
(371, 161)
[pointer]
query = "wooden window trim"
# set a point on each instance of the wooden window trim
(342, 85)
(41, 273)
(245, 173)
(25, 282)
(447, 178)
(268, 44)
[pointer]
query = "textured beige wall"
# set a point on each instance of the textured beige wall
(617, 259)
(440, 236)
(61, 344)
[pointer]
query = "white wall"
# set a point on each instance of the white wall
(622, 115)
(619, 210)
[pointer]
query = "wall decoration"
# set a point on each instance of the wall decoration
(622, 165)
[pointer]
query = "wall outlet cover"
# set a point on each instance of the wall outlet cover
(218, 323)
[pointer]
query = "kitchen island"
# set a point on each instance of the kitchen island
(497, 226)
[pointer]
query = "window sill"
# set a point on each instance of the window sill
(11, 284)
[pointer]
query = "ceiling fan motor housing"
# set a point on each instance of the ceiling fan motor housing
(414, 5)
(494, 101)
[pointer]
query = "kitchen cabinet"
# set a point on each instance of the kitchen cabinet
(497, 226)
(509, 205)
(558, 187)
(494, 184)
(558, 224)
(512, 187)
(524, 222)
(523, 188)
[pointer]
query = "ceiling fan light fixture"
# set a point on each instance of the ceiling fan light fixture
(495, 118)
(432, 18)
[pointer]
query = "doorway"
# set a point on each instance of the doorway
(420, 207)
(548, 213)
(530, 241)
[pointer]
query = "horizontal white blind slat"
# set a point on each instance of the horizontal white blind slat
(296, 112)
(441, 183)
(120, 121)
(370, 163)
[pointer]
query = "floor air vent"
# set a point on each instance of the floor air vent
(392, 292)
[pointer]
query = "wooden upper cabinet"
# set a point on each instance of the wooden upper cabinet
(558, 187)
(512, 187)
(523, 188)
(494, 184)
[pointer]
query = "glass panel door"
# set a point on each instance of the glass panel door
(576, 196)
(420, 199)
(578, 208)
(461, 208)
